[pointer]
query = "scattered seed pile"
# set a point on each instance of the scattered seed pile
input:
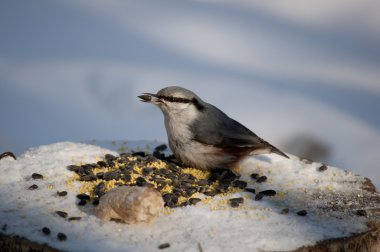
(179, 186)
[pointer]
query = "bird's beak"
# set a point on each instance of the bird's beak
(148, 97)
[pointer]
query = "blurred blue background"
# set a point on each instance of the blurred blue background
(304, 76)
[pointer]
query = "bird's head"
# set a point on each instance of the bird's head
(174, 101)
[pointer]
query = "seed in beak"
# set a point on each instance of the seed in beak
(145, 98)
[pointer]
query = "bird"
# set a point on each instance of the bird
(202, 136)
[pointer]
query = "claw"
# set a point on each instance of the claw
(6, 154)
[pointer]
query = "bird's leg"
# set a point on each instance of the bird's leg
(7, 154)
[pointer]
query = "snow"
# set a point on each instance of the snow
(213, 226)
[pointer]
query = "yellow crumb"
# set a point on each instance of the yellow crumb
(199, 174)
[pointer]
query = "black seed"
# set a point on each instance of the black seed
(109, 157)
(138, 153)
(234, 204)
(147, 170)
(102, 163)
(125, 155)
(322, 168)
(110, 163)
(174, 168)
(164, 246)
(151, 159)
(46, 230)
(172, 159)
(73, 168)
(81, 171)
(268, 193)
(156, 154)
(259, 196)
(74, 218)
(162, 156)
(167, 197)
(111, 175)
(159, 180)
(61, 213)
(302, 213)
(126, 170)
(240, 184)
(83, 196)
(100, 189)
(186, 203)
(190, 191)
(214, 177)
(172, 176)
(82, 202)
(239, 200)
(161, 147)
(123, 160)
(100, 175)
(254, 175)
(37, 176)
(62, 193)
(251, 190)
(284, 211)
(171, 204)
(61, 237)
(140, 181)
(87, 178)
(164, 171)
(127, 177)
(202, 182)
(222, 188)
(222, 174)
(201, 189)
(361, 212)
(87, 169)
(210, 193)
(33, 187)
(95, 165)
(261, 179)
(194, 201)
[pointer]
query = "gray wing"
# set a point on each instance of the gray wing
(215, 128)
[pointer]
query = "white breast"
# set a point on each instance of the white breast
(188, 150)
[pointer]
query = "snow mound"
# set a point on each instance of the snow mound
(331, 198)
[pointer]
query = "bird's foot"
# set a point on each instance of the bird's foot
(7, 154)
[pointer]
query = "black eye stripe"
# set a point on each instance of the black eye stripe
(174, 99)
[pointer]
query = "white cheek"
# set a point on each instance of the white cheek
(184, 112)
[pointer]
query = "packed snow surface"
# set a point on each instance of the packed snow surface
(330, 198)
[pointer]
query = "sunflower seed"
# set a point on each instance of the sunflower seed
(33, 187)
(62, 193)
(251, 190)
(61, 213)
(261, 179)
(164, 246)
(61, 236)
(302, 213)
(46, 230)
(83, 196)
(37, 176)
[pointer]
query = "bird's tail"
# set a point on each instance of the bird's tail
(277, 151)
(264, 148)
(273, 149)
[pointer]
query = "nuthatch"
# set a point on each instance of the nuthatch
(201, 135)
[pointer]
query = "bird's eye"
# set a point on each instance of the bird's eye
(172, 99)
